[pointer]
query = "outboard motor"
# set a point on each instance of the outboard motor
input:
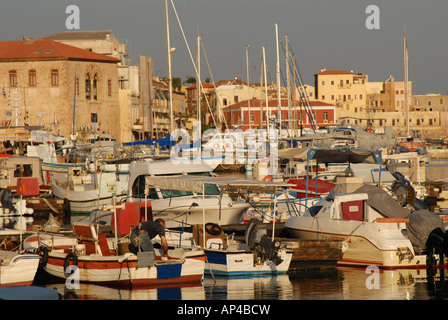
(257, 241)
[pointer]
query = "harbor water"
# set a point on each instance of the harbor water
(332, 283)
(328, 283)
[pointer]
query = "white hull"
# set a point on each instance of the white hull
(84, 202)
(362, 252)
(18, 269)
(178, 212)
(238, 263)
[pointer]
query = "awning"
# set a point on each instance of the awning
(194, 183)
(332, 155)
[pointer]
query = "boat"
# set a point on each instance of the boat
(314, 188)
(29, 293)
(17, 269)
(377, 229)
(94, 261)
(258, 255)
(160, 182)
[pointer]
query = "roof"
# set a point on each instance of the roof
(79, 35)
(255, 103)
(47, 50)
(332, 72)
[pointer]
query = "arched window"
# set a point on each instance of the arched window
(88, 87)
(95, 87)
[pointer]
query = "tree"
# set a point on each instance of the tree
(190, 80)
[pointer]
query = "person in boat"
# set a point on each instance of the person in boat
(142, 235)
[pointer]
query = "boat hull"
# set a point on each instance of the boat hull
(179, 212)
(123, 270)
(20, 271)
(361, 252)
(238, 263)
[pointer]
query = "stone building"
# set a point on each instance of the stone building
(62, 87)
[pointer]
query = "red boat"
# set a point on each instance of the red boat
(320, 189)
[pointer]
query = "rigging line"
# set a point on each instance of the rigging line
(214, 86)
(302, 91)
(188, 48)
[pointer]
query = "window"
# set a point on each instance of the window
(332, 82)
(323, 97)
(54, 77)
(323, 83)
(32, 78)
(325, 116)
(95, 87)
(235, 99)
(224, 102)
(109, 88)
(88, 87)
(13, 78)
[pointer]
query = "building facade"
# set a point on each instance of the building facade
(63, 88)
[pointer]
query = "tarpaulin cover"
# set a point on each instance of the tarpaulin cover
(332, 155)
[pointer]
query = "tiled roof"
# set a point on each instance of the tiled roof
(255, 103)
(332, 71)
(47, 50)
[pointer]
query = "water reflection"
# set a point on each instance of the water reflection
(340, 283)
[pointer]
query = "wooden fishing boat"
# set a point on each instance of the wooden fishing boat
(97, 263)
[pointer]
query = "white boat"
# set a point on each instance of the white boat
(257, 256)
(17, 269)
(87, 189)
(98, 263)
(160, 182)
(378, 231)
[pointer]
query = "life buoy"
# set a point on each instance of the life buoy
(68, 257)
(48, 177)
(267, 178)
(370, 129)
(43, 253)
(215, 145)
(213, 229)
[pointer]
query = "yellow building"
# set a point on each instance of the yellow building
(342, 88)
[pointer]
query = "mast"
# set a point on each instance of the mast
(406, 102)
(248, 84)
(279, 100)
(198, 81)
(288, 87)
(169, 50)
(266, 90)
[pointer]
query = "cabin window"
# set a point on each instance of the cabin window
(27, 171)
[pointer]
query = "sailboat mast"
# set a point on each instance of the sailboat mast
(198, 81)
(248, 85)
(170, 78)
(279, 98)
(406, 102)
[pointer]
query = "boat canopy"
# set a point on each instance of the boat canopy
(168, 141)
(195, 183)
(331, 155)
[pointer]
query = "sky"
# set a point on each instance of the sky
(323, 34)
